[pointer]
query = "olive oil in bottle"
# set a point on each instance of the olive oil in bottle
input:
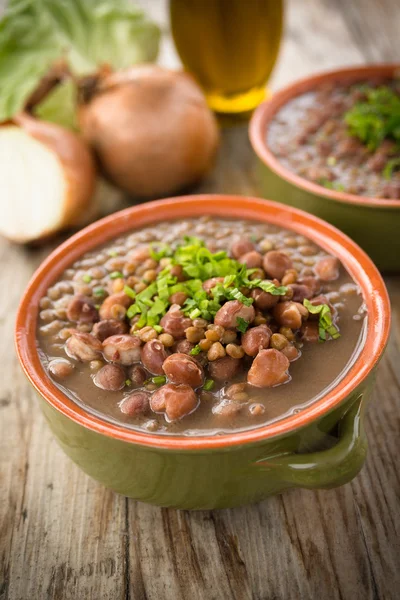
(229, 46)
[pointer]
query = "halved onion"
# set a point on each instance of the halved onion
(47, 176)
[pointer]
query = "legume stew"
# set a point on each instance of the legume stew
(201, 326)
(343, 137)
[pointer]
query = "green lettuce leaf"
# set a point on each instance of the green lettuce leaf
(86, 33)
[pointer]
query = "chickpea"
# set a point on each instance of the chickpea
(176, 401)
(212, 335)
(260, 320)
(166, 339)
(269, 368)
(140, 287)
(200, 323)
(83, 346)
(228, 336)
(216, 351)
(205, 345)
(194, 334)
(234, 351)
(153, 355)
(287, 332)
(227, 409)
(327, 268)
(95, 365)
(137, 403)
(276, 264)
(150, 275)
(266, 245)
(256, 409)
(122, 349)
(181, 368)
(289, 277)
(278, 341)
(118, 285)
(110, 378)
(147, 333)
(255, 339)
(229, 313)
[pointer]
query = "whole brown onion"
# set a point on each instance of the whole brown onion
(150, 128)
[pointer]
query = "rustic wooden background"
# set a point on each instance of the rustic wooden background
(63, 536)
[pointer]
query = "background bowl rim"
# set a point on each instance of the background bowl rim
(266, 111)
(356, 261)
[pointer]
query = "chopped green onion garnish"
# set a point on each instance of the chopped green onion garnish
(391, 166)
(99, 291)
(128, 382)
(196, 350)
(87, 278)
(242, 324)
(113, 253)
(208, 385)
(159, 380)
(195, 313)
(116, 275)
(325, 323)
(331, 161)
(129, 291)
(158, 328)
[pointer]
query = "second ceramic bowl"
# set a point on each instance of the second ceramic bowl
(373, 223)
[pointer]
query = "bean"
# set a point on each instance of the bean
(256, 339)
(266, 245)
(117, 285)
(104, 329)
(181, 368)
(310, 331)
(183, 346)
(178, 298)
(83, 346)
(153, 355)
(311, 282)
(120, 298)
(175, 323)
(110, 378)
(117, 311)
(176, 401)
(241, 246)
(300, 292)
(147, 333)
(288, 314)
(327, 268)
(139, 254)
(224, 369)
(209, 284)
(137, 403)
(256, 409)
(289, 277)
(263, 300)
(291, 352)
(276, 263)
(137, 375)
(177, 271)
(60, 368)
(227, 316)
(252, 260)
(227, 408)
(269, 368)
(122, 349)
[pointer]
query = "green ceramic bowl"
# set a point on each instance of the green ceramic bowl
(371, 222)
(231, 469)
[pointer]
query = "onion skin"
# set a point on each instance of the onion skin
(77, 163)
(151, 130)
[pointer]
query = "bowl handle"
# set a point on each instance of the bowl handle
(327, 468)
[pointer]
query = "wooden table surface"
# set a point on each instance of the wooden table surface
(63, 536)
